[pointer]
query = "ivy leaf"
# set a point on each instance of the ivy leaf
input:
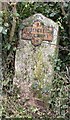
(8, 46)
(60, 117)
(58, 68)
(21, 26)
(14, 49)
(16, 14)
(0, 23)
(5, 82)
(4, 31)
(0, 19)
(1, 13)
(1, 28)
(6, 24)
(52, 14)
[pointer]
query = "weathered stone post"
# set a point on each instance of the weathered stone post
(37, 44)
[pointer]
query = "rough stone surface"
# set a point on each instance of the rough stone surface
(32, 63)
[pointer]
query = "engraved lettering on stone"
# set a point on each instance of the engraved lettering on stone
(38, 33)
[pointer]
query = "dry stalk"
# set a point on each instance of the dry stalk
(13, 22)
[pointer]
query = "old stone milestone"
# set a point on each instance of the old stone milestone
(37, 45)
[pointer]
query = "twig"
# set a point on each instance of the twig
(62, 8)
(13, 23)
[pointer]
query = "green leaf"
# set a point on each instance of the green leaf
(65, 106)
(1, 13)
(14, 49)
(1, 28)
(21, 26)
(29, 117)
(0, 19)
(52, 14)
(9, 46)
(6, 24)
(4, 31)
(5, 82)
(58, 68)
(60, 117)
(16, 14)
(0, 23)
